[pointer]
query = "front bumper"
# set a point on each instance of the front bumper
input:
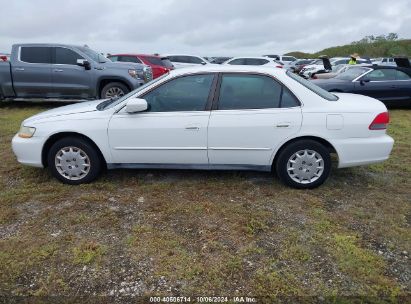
(363, 151)
(28, 150)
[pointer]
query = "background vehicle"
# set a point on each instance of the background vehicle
(4, 57)
(217, 117)
(324, 65)
(220, 60)
(385, 83)
(384, 61)
(159, 65)
(283, 58)
(336, 70)
(66, 71)
(297, 65)
(183, 61)
(265, 61)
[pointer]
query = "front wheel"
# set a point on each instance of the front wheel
(113, 90)
(74, 161)
(303, 164)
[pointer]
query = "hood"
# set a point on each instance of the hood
(124, 65)
(81, 107)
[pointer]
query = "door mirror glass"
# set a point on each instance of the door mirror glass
(84, 63)
(135, 105)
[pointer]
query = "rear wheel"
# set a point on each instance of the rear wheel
(114, 89)
(74, 161)
(303, 164)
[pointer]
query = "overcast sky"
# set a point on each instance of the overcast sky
(203, 27)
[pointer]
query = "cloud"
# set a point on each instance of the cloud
(224, 27)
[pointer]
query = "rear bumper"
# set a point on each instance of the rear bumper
(363, 151)
(28, 150)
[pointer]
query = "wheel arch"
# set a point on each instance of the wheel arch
(57, 136)
(104, 81)
(321, 140)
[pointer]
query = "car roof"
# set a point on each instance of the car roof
(137, 55)
(228, 68)
(253, 57)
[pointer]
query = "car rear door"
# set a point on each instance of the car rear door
(31, 71)
(403, 85)
(252, 116)
(173, 130)
(69, 79)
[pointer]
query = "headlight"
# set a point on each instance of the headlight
(26, 132)
(132, 73)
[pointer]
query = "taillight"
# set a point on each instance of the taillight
(380, 122)
(279, 66)
(314, 76)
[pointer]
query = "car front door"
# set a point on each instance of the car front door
(253, 116)
(173, 130)
(31, 72)
(379, 84)
(69, 79)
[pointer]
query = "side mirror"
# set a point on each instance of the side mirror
(135, 105)
(364, 81)
(84, 63)
(203, 62)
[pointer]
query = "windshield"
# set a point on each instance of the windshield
(351, 73)
(93, 55)
(312, 87)
(109, 103)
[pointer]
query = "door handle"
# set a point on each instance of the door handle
(19, 69)
(192, 128)
(58, 70)
(283, 125)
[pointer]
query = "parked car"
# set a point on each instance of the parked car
(385, 83)
(67, 71)
(211, 117)
(4, 57)
(384, 61)
(336, 70)
(325, 65)
(183, 61)
(283, 58)
(265, 61)
(220, 60)
(297, 65)
(159, 65)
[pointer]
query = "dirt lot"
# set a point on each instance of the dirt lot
(196, 233)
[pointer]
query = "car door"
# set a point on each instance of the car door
(253, 116)
(403, 85)
(379, 84)
(32, 72)
(173, 130)
(69, 79)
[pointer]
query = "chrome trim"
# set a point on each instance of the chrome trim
(160, 148)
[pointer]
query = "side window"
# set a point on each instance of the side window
(113, 58)
(129, 59)
(381, 75)
(288, 100)
(400, 75)
(188, 93)
(195, 60)
(238, 61)
(244, 91)
(256, 61)
(65, 56)
(35, 54)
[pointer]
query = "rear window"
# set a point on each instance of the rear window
(35, 54)
(312, 87)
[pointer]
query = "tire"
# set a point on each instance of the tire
(303, 164)
(62, 166)
(113, 89)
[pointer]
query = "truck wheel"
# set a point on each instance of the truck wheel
(113, 89)
(304, 164)
(74, 161)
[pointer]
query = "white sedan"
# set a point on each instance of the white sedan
(215, 118)
(258, 61)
